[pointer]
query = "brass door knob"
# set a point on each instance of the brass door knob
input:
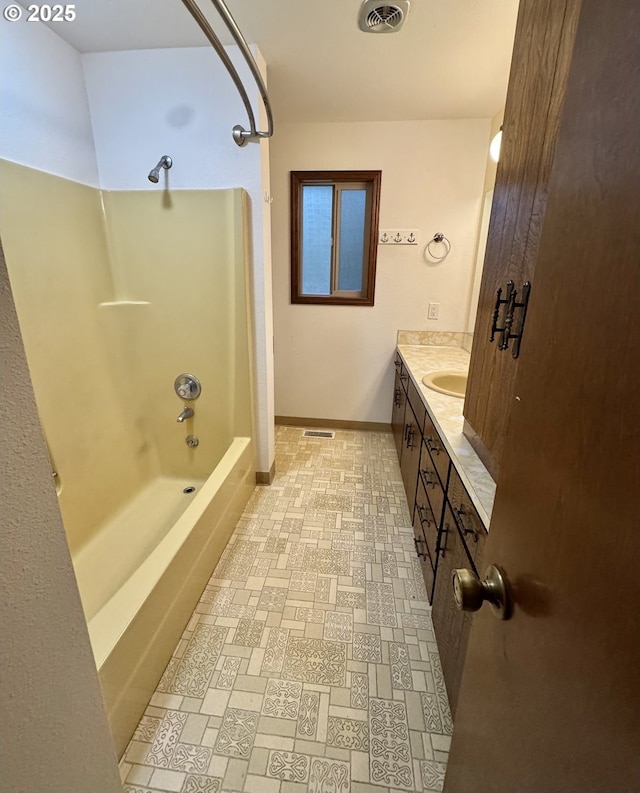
(470, 592)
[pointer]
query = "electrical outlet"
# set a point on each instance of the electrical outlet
(434, 311)
(398, 237)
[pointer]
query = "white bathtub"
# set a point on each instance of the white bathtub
(156, 578)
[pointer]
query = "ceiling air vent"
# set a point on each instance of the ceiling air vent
(377, 17)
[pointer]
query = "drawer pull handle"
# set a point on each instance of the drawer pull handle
(427, 478)
(411, 431)
(511, 303)
(421, 554)
(423, 513)
(433, 447)
(460, 513)
(404, 376)
(443, 540)
(397, 397)
(500, 301)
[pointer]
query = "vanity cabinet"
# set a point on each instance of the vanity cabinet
(448, 531)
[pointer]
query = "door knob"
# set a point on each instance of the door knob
(470, 592)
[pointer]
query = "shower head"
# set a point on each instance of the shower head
(164, 162)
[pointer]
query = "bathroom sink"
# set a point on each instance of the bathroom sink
(451, 383)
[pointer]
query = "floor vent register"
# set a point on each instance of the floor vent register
(318, 434)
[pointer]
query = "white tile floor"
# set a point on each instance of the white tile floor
(309, 664)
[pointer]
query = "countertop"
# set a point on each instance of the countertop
(446, 414)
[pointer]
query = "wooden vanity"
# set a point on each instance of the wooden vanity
(449, 493)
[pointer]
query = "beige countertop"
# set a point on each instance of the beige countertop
(446, 414)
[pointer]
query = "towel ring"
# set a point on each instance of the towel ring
(439, 237)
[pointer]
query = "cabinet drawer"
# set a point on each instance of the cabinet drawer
(417, 405)
(425, 518)
(436, 450)
(431, 484)
(468, 521)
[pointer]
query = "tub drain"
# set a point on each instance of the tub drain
(189, 489)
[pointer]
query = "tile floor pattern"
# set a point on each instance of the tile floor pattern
(309, 664)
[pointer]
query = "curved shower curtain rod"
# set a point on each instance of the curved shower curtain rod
(240, 135)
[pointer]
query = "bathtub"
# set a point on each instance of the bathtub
(142, 549)
(158, 567)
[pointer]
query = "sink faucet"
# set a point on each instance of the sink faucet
(187, 413)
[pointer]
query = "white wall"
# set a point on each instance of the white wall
(335, 361)
(181, 102)
(141, 105)
(44, 112)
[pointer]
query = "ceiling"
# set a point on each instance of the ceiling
(449, 60)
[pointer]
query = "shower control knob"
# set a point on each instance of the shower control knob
(187, 386)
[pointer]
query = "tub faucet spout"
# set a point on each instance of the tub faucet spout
(187, 413)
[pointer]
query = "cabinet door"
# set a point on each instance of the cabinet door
(397, 413)
(431, 484)
(450, 625)
(436, 449)
(417, 405)
(543, 46)
(410, 458)
(425, 530)
(471, 527)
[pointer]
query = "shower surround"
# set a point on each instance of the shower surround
(117, 293)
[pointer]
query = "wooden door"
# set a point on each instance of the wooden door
(549, 701)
